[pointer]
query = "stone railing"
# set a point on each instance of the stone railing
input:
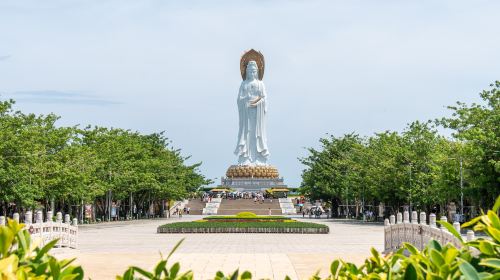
(212, 207)
(66, 232)
(178, 205)
(400, 229)
(287, 206)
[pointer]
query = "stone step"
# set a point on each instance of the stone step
(258, 212)
(232, 207)
(196, 206)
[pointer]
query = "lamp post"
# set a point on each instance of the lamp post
(347, 202)
(461, 186)
(409, 190)
(461, 189)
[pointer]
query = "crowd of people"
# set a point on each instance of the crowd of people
(256, 196)
(179, 211)
(316, 211)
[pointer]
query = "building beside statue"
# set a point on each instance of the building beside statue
(253, 172)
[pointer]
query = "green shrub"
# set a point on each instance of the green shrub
(21, 258)
(246, 215)
(435, 261)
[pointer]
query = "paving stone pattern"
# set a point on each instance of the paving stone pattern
(107, 249)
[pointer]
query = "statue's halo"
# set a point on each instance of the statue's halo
(256, 56)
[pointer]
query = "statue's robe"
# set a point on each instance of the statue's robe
(252, 139)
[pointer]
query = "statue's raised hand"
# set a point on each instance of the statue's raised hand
(254, 102)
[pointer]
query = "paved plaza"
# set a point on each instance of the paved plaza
(107, 249)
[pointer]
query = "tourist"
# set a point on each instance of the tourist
(188, 210)
(270, 212)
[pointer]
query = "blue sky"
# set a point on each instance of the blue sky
(331, 66)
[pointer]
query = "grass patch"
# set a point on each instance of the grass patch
(283, 226)
(243, 225)
(245, 222)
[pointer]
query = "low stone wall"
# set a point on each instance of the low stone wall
(245, 230)
(400, 229)
(66, 232)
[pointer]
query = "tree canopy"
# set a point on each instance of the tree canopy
(42, 163)
(417, 167)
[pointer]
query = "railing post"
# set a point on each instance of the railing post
(39, 217)
(50, 214)
(74, 238)
(432, 220)
(15, 217)
(406, 217)
(423, 226)
(59, 218)
(2, 221)
(470, 235)
(443, 219)
(423, 218)
(392, 220)
(28, 218)
(67, 219)
(456, 225)
(387, 235)
(445, 237)
(414, 217)
(399, 218)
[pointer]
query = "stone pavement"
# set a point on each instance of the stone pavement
(106, 250)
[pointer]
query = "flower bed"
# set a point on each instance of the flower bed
(244, 222)
(243, 227)
(247, 219)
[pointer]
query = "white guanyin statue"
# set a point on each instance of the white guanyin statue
(251, 148)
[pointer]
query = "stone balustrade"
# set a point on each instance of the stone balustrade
(287, 206)
(178, 205)
(212, 207)
(65, 231)
(399, 229)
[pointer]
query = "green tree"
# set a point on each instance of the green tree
(333, 172)
(478, 125)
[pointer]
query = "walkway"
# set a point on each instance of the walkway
(108, 249)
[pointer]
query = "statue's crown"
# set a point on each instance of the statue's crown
(252, 64)
(252, 58)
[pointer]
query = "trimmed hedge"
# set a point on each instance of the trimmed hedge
(243, 227)
(246, 215)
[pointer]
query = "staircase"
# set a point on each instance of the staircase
(196, 206)
(232, 207)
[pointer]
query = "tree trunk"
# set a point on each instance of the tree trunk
(81, 212)
(335, 207)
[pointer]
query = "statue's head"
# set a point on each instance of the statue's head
(252, 70)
